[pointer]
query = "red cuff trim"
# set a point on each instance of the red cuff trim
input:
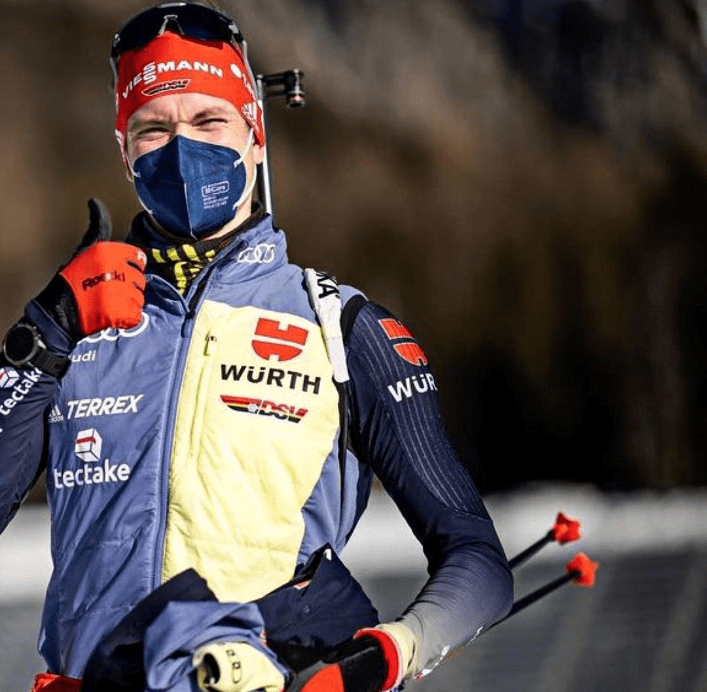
(48, 682)
(391, 654)
(327, 679)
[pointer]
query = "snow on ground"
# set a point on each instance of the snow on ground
(25, 563)
(383, 544)
(611, 523)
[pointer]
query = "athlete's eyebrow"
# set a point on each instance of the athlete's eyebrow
(212, 111)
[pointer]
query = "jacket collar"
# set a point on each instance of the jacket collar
(256, 247)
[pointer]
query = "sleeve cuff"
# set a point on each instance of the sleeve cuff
(55, 338)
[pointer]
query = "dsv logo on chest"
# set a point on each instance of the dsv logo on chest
(262, 407)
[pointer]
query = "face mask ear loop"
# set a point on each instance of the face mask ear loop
(249, 187)
(247, 191)
(130, 166)
(248, 145)
(128, 162)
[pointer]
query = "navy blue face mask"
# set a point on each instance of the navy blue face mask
(192, 188)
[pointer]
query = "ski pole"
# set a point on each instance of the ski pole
(580, 570)
(564, 530)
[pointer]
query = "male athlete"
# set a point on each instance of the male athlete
(210, 418)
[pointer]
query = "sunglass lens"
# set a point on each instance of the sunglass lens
(193, 20)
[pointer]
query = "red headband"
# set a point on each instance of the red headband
(171, 63)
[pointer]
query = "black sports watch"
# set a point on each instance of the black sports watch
(23, 346)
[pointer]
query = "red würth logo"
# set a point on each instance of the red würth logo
(404, 343)
(282, 343)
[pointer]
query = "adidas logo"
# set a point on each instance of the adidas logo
(55, 415)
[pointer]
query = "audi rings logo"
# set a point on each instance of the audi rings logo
(115, 334)
(262, 253)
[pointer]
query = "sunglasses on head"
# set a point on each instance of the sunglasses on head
(186, 18)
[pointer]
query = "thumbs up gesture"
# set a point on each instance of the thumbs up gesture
(101, 286)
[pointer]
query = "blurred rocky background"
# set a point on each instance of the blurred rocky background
(522, 181)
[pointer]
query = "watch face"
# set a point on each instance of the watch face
(20, 344)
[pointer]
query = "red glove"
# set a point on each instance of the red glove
(101, 286)
(370, 662)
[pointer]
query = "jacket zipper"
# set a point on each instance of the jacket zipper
(173, 400)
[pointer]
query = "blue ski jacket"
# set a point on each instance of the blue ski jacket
(208, 437)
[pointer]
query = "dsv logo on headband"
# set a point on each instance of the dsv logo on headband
(115, 334)
(262, 253)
